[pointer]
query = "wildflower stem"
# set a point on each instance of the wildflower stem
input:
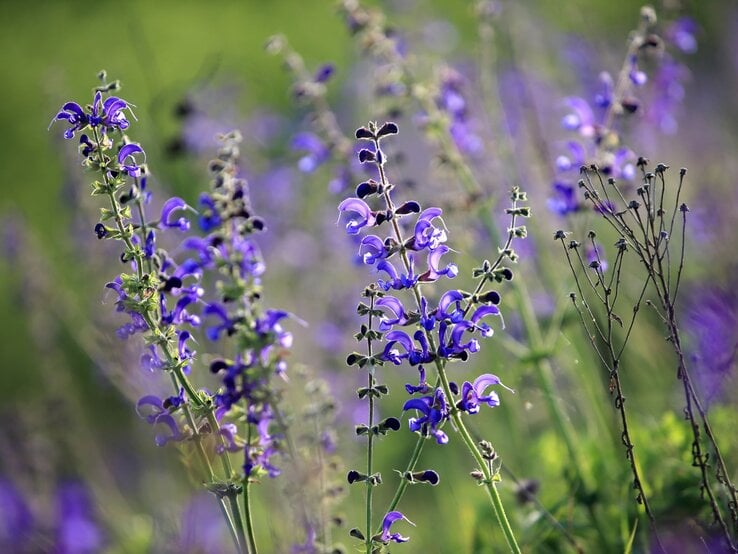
(370, 436)
(177, 375)
(454, 413)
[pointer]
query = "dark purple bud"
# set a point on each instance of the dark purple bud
(493, 297)
(172, 283)
(364, 133)
(366, 156)
(391, 423)
(366, 188)
(217, 365)
(388, 128)
(324, 73)
(454, 387)
(630, 105)
(258, 223)
(354, 476)
(427, 476)
(100, 231)
(410, 207)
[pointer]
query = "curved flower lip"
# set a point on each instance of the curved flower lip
(393, 304)
(434, 270)
(372, 249)
(74, 115)
(448, 299)
(387, 523)
(174, 204)
(126, 152)
(483, 311)
(365, 215)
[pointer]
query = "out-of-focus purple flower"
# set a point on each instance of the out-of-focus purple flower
(77, 529)
(16, 519)
(202, 530)
(682, 33)
(316, 152)
(711, 322)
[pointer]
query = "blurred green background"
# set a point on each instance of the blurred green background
(65, 418)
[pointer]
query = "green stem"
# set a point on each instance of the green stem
(178, 377)
(370, 437)
(251, 536)
(409, 469)
(455, 415)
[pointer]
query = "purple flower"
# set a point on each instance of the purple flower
(77, 530)
(74, 115)
(387, 523)
(682, 34)
(435, 271)
(151, 408)
(427, 235)
(16, 519)
(127, 160)
(316, 152)
(396, 280)
(172, 205)
(472, 394)
(422, 386)
(372, 249)
(434, 411)
(363, 214)
(395, 306)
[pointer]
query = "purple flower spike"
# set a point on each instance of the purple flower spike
(387, 523)
(362, 210)
(130, 167)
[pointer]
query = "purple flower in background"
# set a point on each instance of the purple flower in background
(77, 529)
(682, 33)
(16, 519)
(711, 322)
(201, 530)
(315, 152)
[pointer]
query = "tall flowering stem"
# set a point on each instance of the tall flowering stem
(142, 294)
(646, 226)
(440, 331)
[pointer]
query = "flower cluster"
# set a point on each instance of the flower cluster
(211, 287)
(594, 122)
(260, 342)
(430, 332)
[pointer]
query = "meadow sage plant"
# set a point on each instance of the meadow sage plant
(406, 322)
(214, 289)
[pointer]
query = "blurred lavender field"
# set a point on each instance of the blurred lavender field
(487, 96)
